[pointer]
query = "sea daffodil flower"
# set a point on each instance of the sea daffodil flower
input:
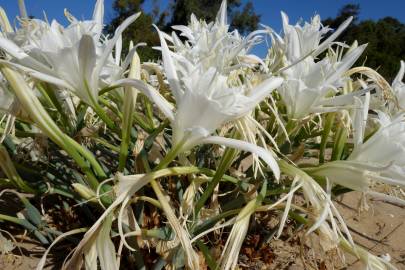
(300, 41)
(310, 86)
(213, 45)
(204, 102)
(310, 83)
(379, 159)
(72, 58)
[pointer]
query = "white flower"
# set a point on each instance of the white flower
(310, 83)
(399, 87)
(301, 41)
(71, 57)
(310, 86)
(204, 102)
(212, 45)
(381, 158)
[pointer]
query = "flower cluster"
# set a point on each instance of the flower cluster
(185, 136)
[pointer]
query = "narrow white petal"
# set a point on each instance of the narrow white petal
(265, 88)
(4, 22)
(118, 50)
(344, 99)
(222, 14)
(152, 94)
(348, 60)
(130, 55)
(169, 67)
(105, 247)
(16, 52)
(42, 262)
(386, 198)
(332, 37)
(285, 20)
(98, 14)
(87, 61)
(112, 42)
(322, 217)
(39, 75)
(285, 215)
(267, 156)
(185, 32)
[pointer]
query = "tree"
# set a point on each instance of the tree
(242, 17)
(141, 30)
(385, 38)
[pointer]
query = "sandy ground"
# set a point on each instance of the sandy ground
(380, 230)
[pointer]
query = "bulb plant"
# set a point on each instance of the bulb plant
(206, 139)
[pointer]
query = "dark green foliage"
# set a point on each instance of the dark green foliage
(242, 17)
(385, 38)
(140, 31)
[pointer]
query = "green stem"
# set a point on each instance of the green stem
(103, 115)
(22, 222)
(148, 110)
(108, 104)
(340, 141)
(142, 123)
(325, 135)
(91, 178)
(129, 107)
(224, 165)
(171, 155)
(106, 144)
(58, 106)
(87, 155)
(10, 171)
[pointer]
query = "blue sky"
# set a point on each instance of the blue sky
(269, 9)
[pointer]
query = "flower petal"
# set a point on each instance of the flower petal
(152, 94)
(87, 62)
(169, 67)
(348, 60)
(332, 37)
(39, 75)
(222, 14)
(265, 88)
(267, 156)
(12, 49)
(112, 42)
(98, 14)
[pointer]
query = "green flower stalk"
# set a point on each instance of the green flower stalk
(130, 96)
